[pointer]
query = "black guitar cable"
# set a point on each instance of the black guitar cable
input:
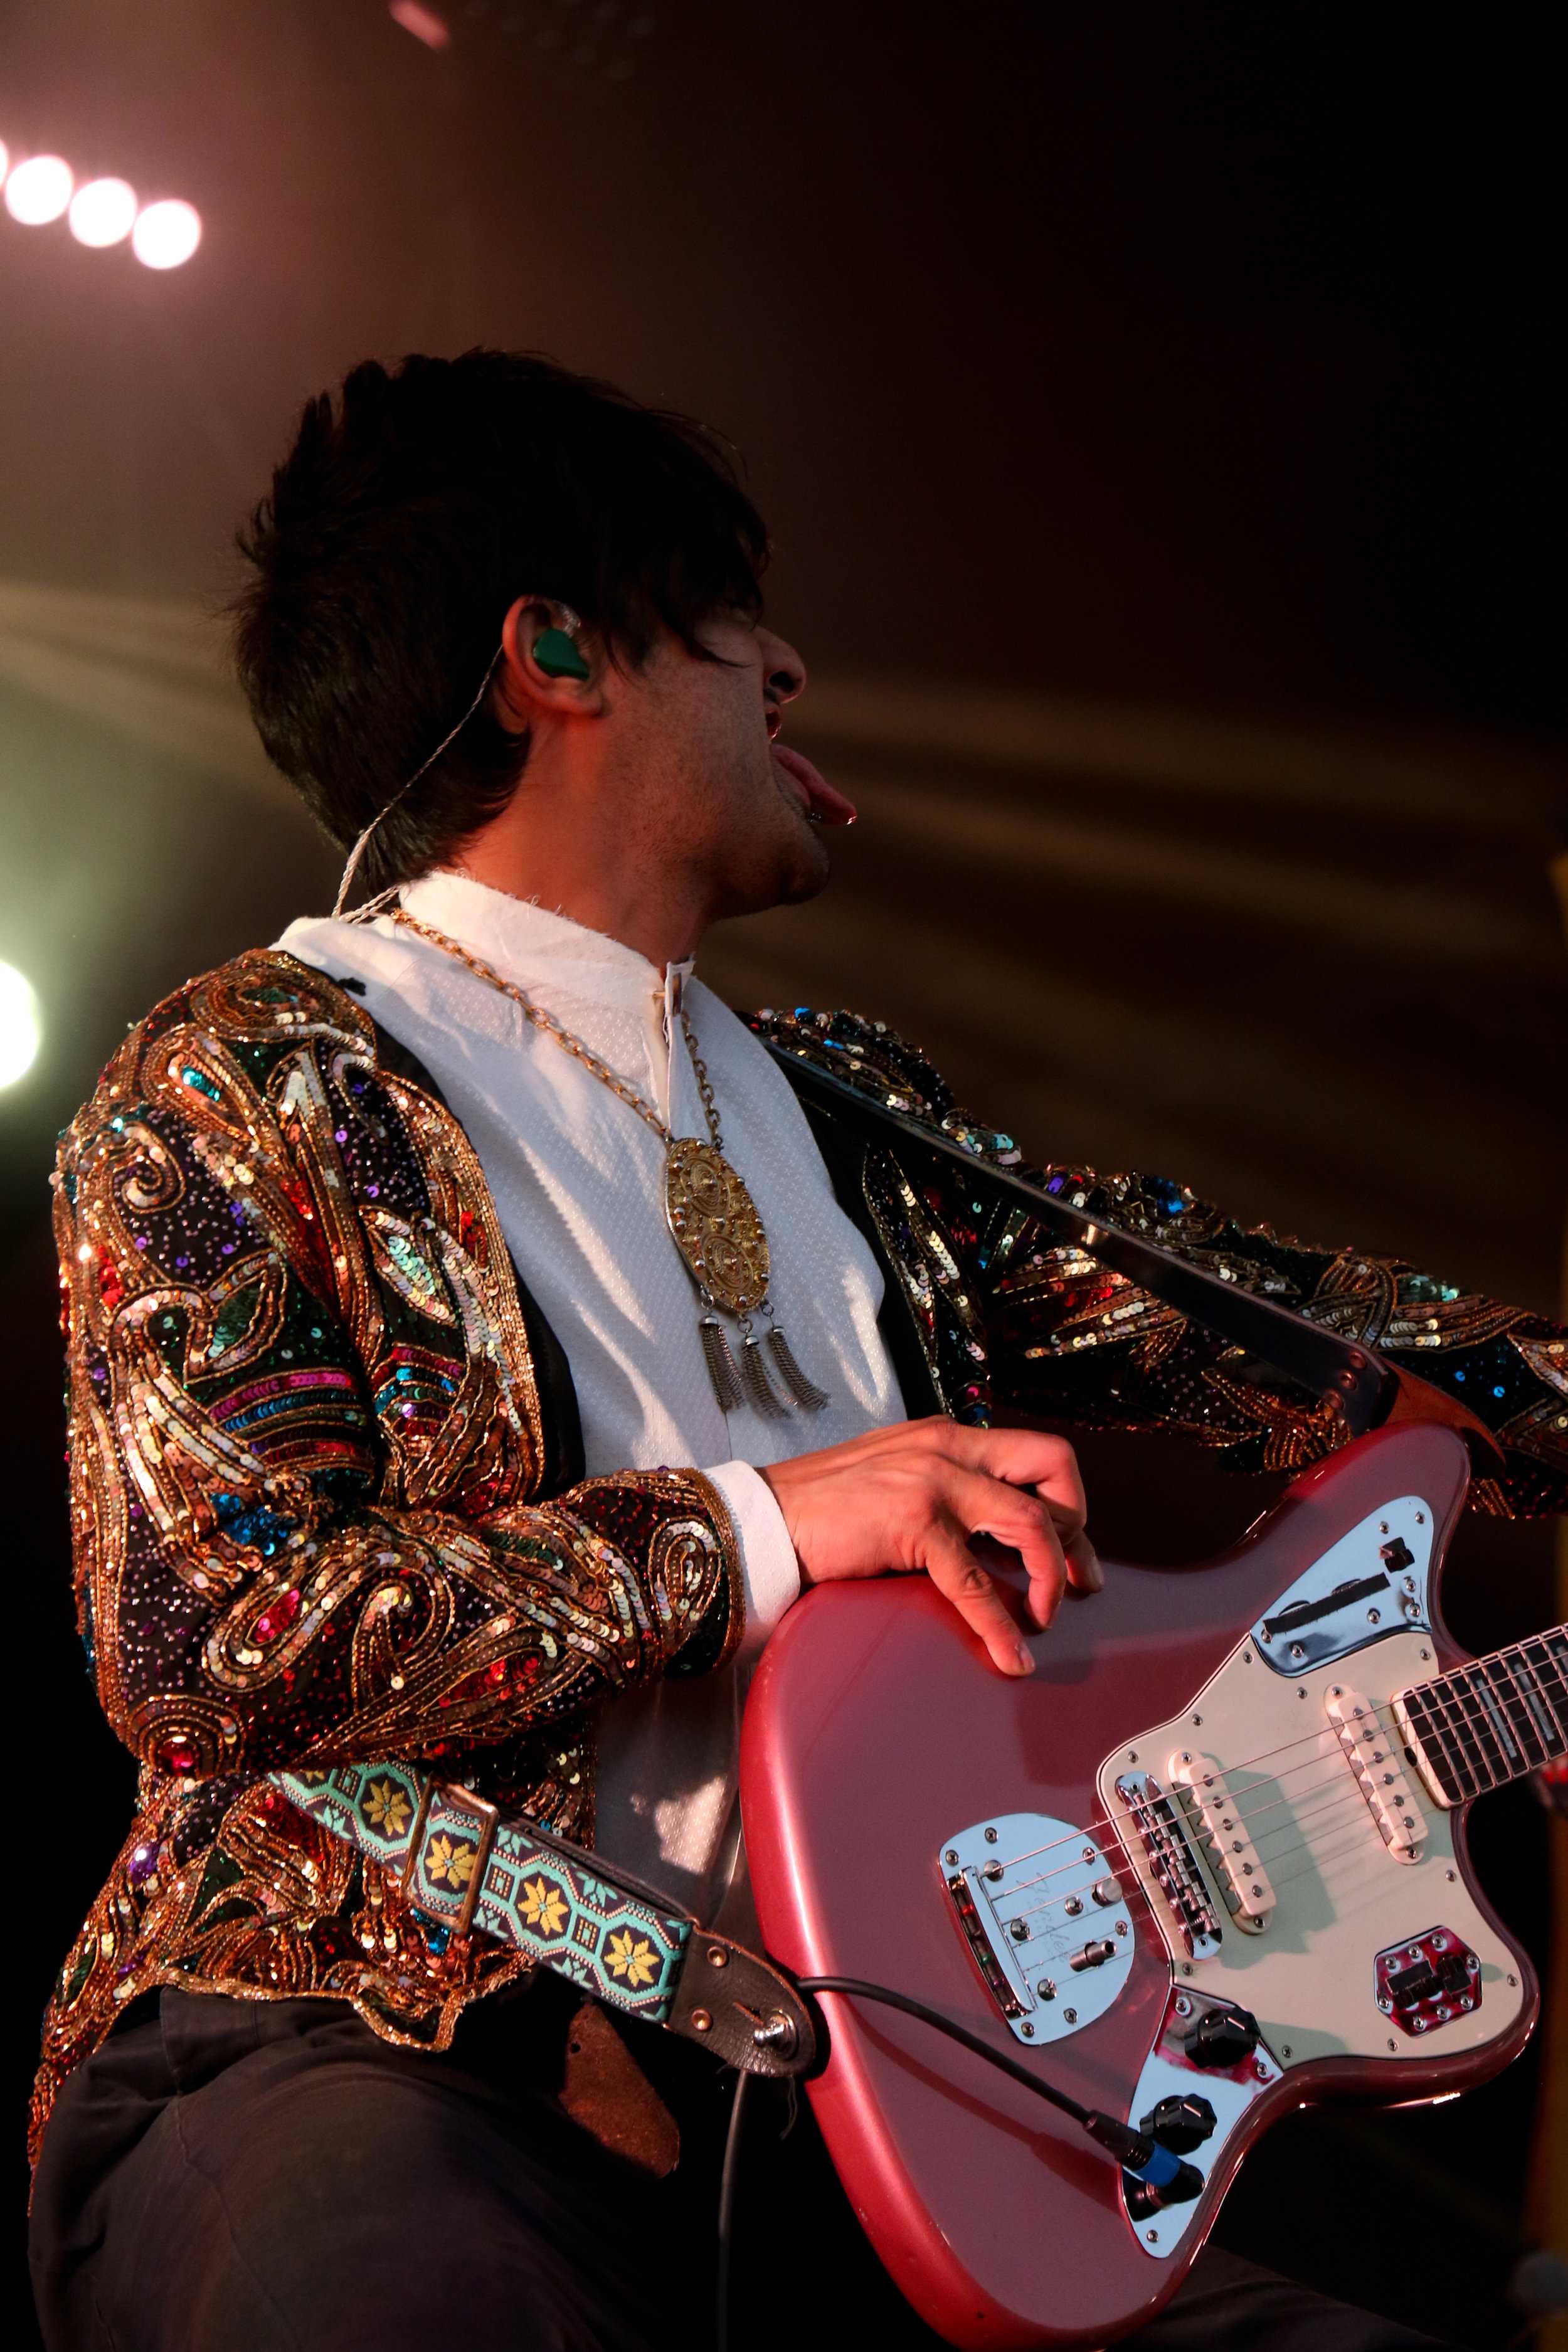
(1136, 2152)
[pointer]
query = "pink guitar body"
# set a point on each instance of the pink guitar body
(915, 1819)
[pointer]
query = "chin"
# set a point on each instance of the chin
(800, 871)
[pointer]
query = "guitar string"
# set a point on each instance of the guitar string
(1462, 1729)
(1225, 1770)
(1341, 1799)
(1113, 1822)
(1336, 1800)
(1114, 1818)
(1340, 1794)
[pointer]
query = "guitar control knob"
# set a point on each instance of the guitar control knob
(1180, 2125)
(1221, 2037)
(1107, 1891)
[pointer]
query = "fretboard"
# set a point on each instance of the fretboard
(1492, 1720)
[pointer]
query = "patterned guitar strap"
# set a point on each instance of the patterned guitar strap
(470, 1869)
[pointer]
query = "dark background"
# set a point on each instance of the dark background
(1157, 414)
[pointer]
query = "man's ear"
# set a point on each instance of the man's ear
(550, 665)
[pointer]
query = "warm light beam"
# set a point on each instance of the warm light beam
(21, 1030)
(38, 189)
(423, 22)
(166, 234)
(102, 212)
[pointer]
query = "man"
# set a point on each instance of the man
(405, 1427)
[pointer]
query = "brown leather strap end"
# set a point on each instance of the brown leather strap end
(606, 2094)
(742, 2008)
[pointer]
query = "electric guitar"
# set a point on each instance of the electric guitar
(1206, 1866)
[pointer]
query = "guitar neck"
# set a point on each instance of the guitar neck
(1490, 1721)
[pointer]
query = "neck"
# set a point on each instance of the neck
(1490, 1721)
(588, 849)
(662, 924)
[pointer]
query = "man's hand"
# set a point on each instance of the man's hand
(910, 1497)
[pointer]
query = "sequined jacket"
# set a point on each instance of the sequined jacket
(326, 1473)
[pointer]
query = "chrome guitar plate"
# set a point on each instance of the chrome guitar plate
(1044, 1917)
(1373, 1582)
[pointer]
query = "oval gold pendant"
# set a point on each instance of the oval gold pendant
(716, 1227)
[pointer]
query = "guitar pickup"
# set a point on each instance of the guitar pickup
(1374, 1754)
(1228, 1849)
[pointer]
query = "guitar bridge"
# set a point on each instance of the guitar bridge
(1153, 1819)
(1045, 1918)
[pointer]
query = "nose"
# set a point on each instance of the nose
(782, 668)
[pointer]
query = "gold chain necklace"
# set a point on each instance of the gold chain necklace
(713, 1218)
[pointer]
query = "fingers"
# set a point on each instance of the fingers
(1026, 1457)
(959, 1577)
(1084, 1571)
(1021, 1521)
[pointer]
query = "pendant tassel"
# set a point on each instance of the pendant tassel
(805, 1392)
(760, 1394)
(722, 1370)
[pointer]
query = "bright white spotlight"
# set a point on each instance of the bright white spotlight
(102, 211)
(166, 233)
(38, 189)
(20, 1026)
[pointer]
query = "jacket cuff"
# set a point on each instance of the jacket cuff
(770, 1572)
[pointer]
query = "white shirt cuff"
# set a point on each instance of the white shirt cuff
(770, 1572)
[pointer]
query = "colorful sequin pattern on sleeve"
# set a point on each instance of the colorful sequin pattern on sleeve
(308, 1517)
(1009, 1320)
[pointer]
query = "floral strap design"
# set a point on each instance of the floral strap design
(467, 1867)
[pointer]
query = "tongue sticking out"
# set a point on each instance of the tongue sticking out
(829, 807)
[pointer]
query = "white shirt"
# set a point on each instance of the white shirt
(578, 1182)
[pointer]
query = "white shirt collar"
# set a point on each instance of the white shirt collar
(535, 946)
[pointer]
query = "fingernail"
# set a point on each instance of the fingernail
(1026, 1658)
(1093, 1571)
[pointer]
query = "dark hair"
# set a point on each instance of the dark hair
(406, 521)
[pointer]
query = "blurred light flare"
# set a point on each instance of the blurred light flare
(21, 1025)
(102, 212)
(423, 22)
(166, 233)
(38, 189)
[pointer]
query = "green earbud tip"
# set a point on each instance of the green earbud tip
(557, 657)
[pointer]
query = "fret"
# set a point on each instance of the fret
(1491, 1755)
(1494, 1698)
(1540, 1699)
(1473, 1752)
(1445, 1763)
(1492, 1720)
(1546, 1690)
(1500, 1670)
(1475, 1761)
(1556, 1646)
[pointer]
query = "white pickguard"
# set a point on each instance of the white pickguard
(1340, 1896)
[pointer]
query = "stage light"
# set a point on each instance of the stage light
(38, 189)
(423, 22)
(20, 1027)
(102, 211)
(166, 233)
